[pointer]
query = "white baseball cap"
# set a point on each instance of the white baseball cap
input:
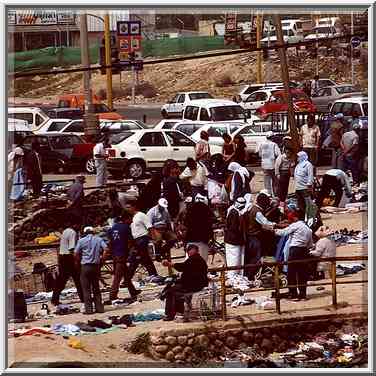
(88, 229)
(163, 202)
(18, 151)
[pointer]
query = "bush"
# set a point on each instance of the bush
(223, 79)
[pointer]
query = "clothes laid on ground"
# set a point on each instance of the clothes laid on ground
(157, 314)
(29, 331)
(345, 269)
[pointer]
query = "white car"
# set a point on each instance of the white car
(216, 131)
(175, 106)
(319, 32)
(350, 106)
(132, 153)
(167, 123)
(53, 125)
(258, 98)
(290, 35)
(247, 90)
(35, 116)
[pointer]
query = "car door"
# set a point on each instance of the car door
(255, 100)
(322, 99)
(181, 146)
(216, 132)
(179, 106)
(171, 104)
(153, 148)
(76, 126)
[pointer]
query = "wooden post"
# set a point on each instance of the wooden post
(286, 80)
(334, 283)
(107, 44)
(223, 295)
(258, 44)
(276, 282)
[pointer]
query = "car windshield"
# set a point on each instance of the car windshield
(246, 130)
(299, 97)
(345, 89)
(224, 113)
(194, 96)
(365, 109)
(100, 108)
(117, 138)
(322, 30)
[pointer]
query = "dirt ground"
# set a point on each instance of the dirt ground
(107, 349)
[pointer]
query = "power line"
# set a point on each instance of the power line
(181, 58)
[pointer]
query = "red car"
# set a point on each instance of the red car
(278, 103)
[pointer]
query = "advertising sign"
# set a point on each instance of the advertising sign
(65, 18)
(129, 28)
(11, 17)
(36, 17)
(230, 25)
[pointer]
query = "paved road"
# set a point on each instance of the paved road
(137, 112)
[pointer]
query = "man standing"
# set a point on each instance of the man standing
(66, 264)
(336, 133)
(33, 165)
(197, 174)
(300, 236)
(141, 232)
(303, 176)
(160, 220)
(89, 253)
(269, 151)
(315, 86)
(350, 149)
(283, 168)
(76, 195)
(199, 225)
(100, 158)
(202, 148)
(120, 238)
(194, 278)
(311, 134)
(15, 170)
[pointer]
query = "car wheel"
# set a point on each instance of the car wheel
(90, 166)
(164, 114)
(135, 169)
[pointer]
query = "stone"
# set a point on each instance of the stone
(202, 340)
(267, 345)
(190, 335)
(177, 349)
(247, 337)
(191, 341)
(182, 340)
(188, 351)
(275, 339)
(267, 332)
(179, 357)
(171, 340)
(218, 343)
(161, 348)
(156, 340)
(170, 356)
(231, 342)
(258, 338)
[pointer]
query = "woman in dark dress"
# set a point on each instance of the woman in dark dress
(151, 193)
(228, 148)
(171, 187)
(240, 155)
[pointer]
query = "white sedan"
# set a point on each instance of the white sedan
(132, 153)
(52, 125)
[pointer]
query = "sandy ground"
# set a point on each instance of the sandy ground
(107, 348)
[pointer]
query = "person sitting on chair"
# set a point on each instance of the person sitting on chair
(194, 278)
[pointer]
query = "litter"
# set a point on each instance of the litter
(76, 344)
(29, 331)
(51, 238)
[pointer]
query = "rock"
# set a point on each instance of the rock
(231, 342)
(190, 335)
(267, 345)
(191, 341)
(258, 338)
(275, 339)
(161, 348)
(267, 332)
(182, 340)
(188, 351)
(171, 340)
(177, 349)
(202, 340)
(247, 337)
(156, 340)
(218, 343)
(179, 357)
(170, 356)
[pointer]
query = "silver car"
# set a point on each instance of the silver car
(328, 95)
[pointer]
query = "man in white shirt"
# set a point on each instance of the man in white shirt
(311, 134)
(336, 180)
(141, 229)
(100, 159)
(197, 174)
(350, 152)
(269, 151)
(66, 264)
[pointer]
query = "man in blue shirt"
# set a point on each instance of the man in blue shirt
(88, 253)
(120, 238)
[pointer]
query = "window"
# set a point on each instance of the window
(225, 113)
(174, 99)
(100, 108)
(188, 129)
(365, 109)
(178, 139)
(347, 109)
(204, 115)
(57, 126)
(75, 126)
(152, 139)
(168, 125)
(324, 92)
(117, 138)
(63, 103)
(246, 130)
(291, 34)
(191, 113)
(181, 98)
(356, 109)
(217, 131)
(43, 141)
(194, 96)
(38, 119)
(24, 116)
(336, 108)
(233, 128)
(63, 142)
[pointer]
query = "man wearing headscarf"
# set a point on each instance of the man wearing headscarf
(199, 225)
(241, 178)
(269, 152)
(303, 176)
(235, 236)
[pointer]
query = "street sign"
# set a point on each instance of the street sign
(355, 42)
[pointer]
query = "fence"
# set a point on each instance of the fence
(277, 288)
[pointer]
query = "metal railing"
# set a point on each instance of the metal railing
(333, 260)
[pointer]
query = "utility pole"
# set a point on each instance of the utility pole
(259, 53)
(107, 45)
(91, 125)
(286, 80)
(352, 50)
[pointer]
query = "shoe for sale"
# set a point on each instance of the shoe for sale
(85, 327)
(156, 279)
(98, 324)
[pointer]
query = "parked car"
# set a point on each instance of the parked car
(67, 113)
(322, 32)
(350, 106)
(290, 35)
(78, 101)
(278, 103)
(216, 131)
(33, 115)
(187, 127)
(53, 125)
(17, 131)
(135, 152)
(167, 123)
(61, 153)
(327, 95)
(258, 99)
(175, 106)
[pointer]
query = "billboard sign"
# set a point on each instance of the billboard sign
(37, 17)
